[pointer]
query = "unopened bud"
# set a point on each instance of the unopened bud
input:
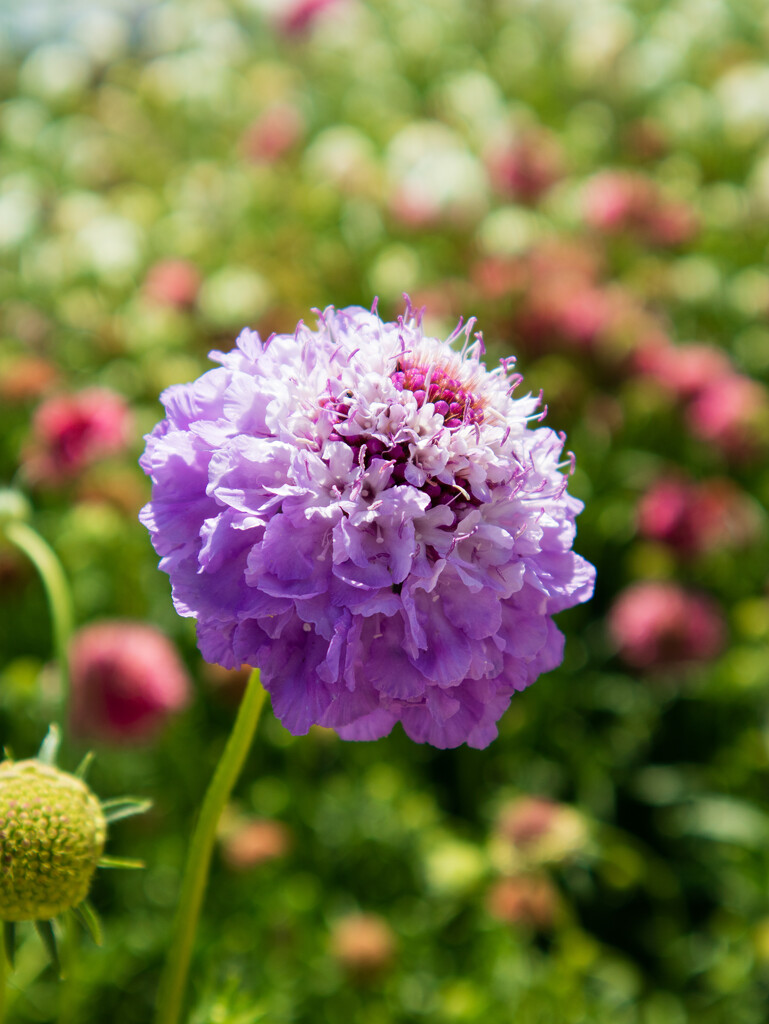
(52, 833)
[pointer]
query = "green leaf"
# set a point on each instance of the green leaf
(87, 916)
(9, 941)
(50, 745)
(124, 807)
(82, 769)
(47, 934)
(120, 862)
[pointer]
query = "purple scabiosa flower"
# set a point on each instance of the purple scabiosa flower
(365, 514)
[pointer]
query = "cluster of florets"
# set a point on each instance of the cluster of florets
(52, 833)
(366, 515)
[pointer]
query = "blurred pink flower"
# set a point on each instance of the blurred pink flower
(364, 944)
(671, 224)
(528, 899)
(526, 820)
(71, 432)
(656, 624)
(526, 167)
(272, 134)
(254, 841)
(127, 680)
(694, 518)
(618, 201)
(686, 370)
(298, 15)
(627, 202)
(532, 830)
(26, 378)
(172, 283)
(731, 413)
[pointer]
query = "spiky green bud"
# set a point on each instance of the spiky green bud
(52, 832)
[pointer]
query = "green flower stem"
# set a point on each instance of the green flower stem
(3, 981)
(45, 560)
(173, 981)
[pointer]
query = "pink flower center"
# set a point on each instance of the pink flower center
(432, 384)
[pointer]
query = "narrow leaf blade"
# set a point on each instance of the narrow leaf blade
(82, 769)
(48, 936)
(124, 807)
(87, 916)
(9, 941)
(50, 745)
(120, 862)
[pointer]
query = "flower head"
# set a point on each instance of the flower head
(365, 514)
(655, 624)
(71, 432)
(533, 830)
(52, 833)
(697, 517)
(732, 414)
(526, 167)
(684, 370)
(127, 680)
(364, 944)
(530, 900)
(248, 842)
(173, 283)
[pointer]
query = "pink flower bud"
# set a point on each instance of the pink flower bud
(299, 15)
(172, 283)
(732, 413)
(272, 134)
(658, 624)
(686, 370)
(364, 944)
(71, 432)
(694, 518)
(252, 842)
(527, 167)
(127, 681)
(529, 900)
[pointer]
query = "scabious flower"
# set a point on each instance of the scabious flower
(660, 624)
(52, 834)
(620, 201)
(247, 843)
(533, 830)
(51, 839)
(366, 515)
(732, 414)
(127, 681)
(273, 134)
(173, 283)
(526, 167)
(530, 900)
(71, 432)
(697, 517)
(25, 378)
(684, 370)
(364, 944)
(299, 15)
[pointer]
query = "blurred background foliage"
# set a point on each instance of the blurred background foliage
(592, 182)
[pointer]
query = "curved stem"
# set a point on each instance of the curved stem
(173, 981)
(45, 560)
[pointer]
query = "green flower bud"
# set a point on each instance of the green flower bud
(52, 832)
(14, 507)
